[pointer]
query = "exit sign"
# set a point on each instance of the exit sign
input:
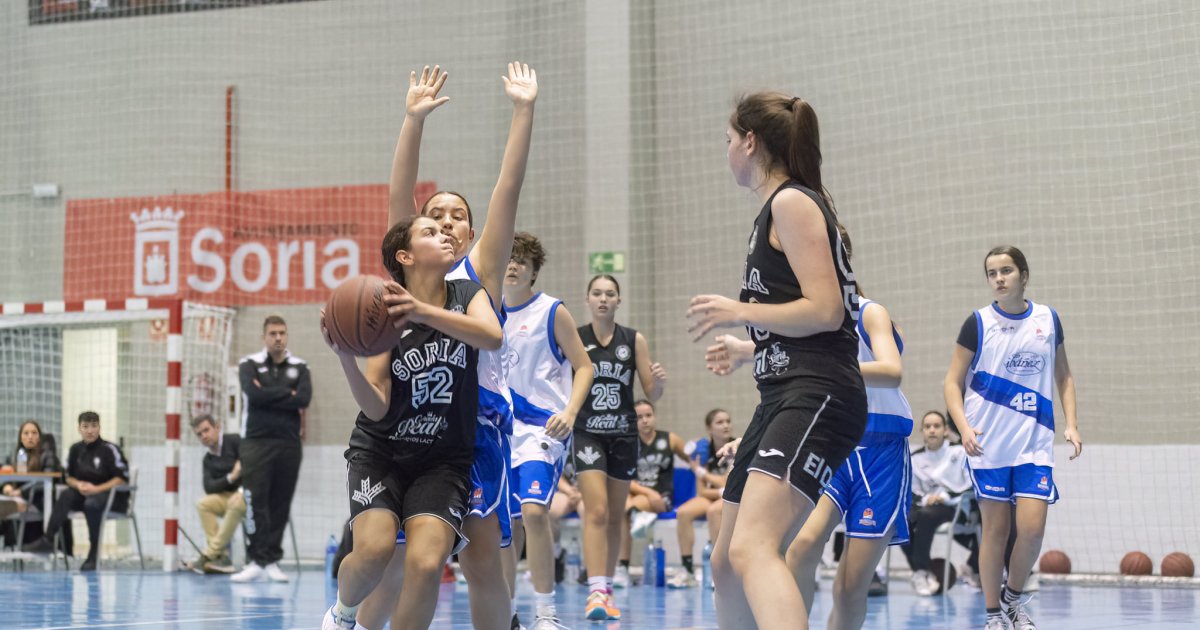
(606, 262)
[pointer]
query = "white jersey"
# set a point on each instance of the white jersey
(1010, 386)
(495, 403)
(941, 473)
(539, 376)
(888, 412)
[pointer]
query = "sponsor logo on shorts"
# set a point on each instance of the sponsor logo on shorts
(771, 453)
(535, 487)
(995, 488)
(1025, 363)
(588, 455)
(455, 513)
(1044, 484)
(815, 465)
(367, 492)
(868, 518)
(477, 498)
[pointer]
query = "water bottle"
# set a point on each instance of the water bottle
(573, 562)
(660, 565)
(22, 462)
(706, 571)
(649, 568)
(330, 552)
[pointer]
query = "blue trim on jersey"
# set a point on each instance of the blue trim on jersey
(1001, 391)
(554, 349)
(495, 409)
(862, 331)
(889, 424)
(514, 309)
(466, 261)
(978, 339)
(528, 412)
(1007, 315)
(1058, 331)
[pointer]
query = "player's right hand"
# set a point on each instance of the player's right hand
(423, 94)
(728, 354)
(328, 340)
(970, 442)
(727, 452)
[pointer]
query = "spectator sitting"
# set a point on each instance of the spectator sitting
(41, 455)
(94, 467)
(223, 497)
(710, 482)
(939, 480)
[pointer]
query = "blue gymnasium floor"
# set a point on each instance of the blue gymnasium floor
(143, 600)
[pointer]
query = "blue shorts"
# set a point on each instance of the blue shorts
(1008, 483)
(873, 489)
(533, 482)
(489, 480)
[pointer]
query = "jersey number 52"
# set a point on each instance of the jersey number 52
(435, 386)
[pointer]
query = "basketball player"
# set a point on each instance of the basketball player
(800, 304)
(1000, 393)
(543, 350)
(606, 444)
(409, 460)
(483, 261)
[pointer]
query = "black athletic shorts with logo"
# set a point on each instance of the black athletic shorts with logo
(801, 433)
(614, 455)
(439, 490)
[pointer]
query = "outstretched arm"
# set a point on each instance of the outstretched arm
(422, 98)
(492, 252)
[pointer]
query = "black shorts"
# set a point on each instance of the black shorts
(614, 455)
(374, 482)
(801, 435)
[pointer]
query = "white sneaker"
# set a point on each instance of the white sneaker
(333, 622)
(640, 522)
(1016, 613)
(621, 577)
(996, 623)
(548, 623)
(1032, 583)
(250, 573)
(275, 574)
(924, 584)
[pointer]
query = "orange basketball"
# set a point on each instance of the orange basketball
(1178, 564)
(357, 317)
(1136, 563)
(1055, 561)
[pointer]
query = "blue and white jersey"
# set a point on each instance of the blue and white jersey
(539, 376)
(888, 412)
(1010, 386)
(495, 403)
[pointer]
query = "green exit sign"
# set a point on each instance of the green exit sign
(606, 262)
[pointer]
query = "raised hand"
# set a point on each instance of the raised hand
(423, 93)
(521, 84)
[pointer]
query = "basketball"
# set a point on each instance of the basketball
(937, 567)
(1055, 562)
(357, 317)
(1178, 564)
(1136, 563)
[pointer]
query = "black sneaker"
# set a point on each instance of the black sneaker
(878, 587)
(560, 566)
(41, 545)
(516, 623)
(88, 565)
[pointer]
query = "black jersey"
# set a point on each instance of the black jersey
(656, 464)
(768, 279)
(435, 394)
(609, 408)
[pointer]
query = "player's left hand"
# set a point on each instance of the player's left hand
(559, 425)
(729, 451)
(658, 373)
(1072, 436)
(401, 305)
(521, 83)
(712, 311)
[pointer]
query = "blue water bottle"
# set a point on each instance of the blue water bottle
(573, 562)
(706, 573)
(649, 570)
(330, 553)
(660, 565)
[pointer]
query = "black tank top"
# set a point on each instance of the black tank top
(768, 279)
(656, 464)
(609, 408)
(435, 395)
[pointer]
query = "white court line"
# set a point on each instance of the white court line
(154, 623)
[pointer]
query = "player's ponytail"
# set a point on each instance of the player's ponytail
(788, 129)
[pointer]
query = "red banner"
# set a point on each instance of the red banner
(229, 248)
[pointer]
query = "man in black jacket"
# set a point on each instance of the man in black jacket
(94, 466)
(223, 497)
(276, 389)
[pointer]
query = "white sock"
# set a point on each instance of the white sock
(608, 584)
(344, 611)
(545, 604)
(597, 583)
